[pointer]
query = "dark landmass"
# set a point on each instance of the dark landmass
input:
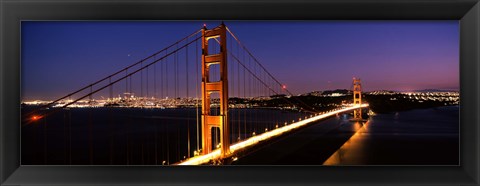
(397, 102)
(302, 103)
(378, 103)
(340, 91)
(433, 90)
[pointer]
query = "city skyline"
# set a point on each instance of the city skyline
(59, 57)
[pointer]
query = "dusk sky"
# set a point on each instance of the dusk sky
(60, 57)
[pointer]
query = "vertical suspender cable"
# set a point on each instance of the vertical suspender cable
(196, 95)
(148, 85)
(155, 80)
(244, 98)
(45, 132)
(238, 93)
(90, 129)
(166, 77)
(188, 101)
(64, 137)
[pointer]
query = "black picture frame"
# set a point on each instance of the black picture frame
(14, 11)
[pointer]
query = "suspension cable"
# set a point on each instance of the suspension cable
(258, 62)
(117, 80)
(124, 69)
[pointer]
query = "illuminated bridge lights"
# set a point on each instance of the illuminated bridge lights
(255, 139)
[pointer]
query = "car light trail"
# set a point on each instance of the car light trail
(201, 159)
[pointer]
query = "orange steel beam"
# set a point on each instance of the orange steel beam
(357, 98)
(210, 121)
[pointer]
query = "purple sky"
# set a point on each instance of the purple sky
(59, 57)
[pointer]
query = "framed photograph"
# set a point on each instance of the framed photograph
(280, 92)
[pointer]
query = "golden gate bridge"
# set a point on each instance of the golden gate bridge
(190, 73)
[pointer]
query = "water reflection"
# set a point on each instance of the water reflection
(351, 147)
(415, 137)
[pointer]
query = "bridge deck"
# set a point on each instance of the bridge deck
(202, 159)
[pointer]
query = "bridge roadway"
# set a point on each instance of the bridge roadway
(202, 159)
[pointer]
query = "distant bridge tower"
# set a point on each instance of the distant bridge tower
(357, 98)
(210, 121)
